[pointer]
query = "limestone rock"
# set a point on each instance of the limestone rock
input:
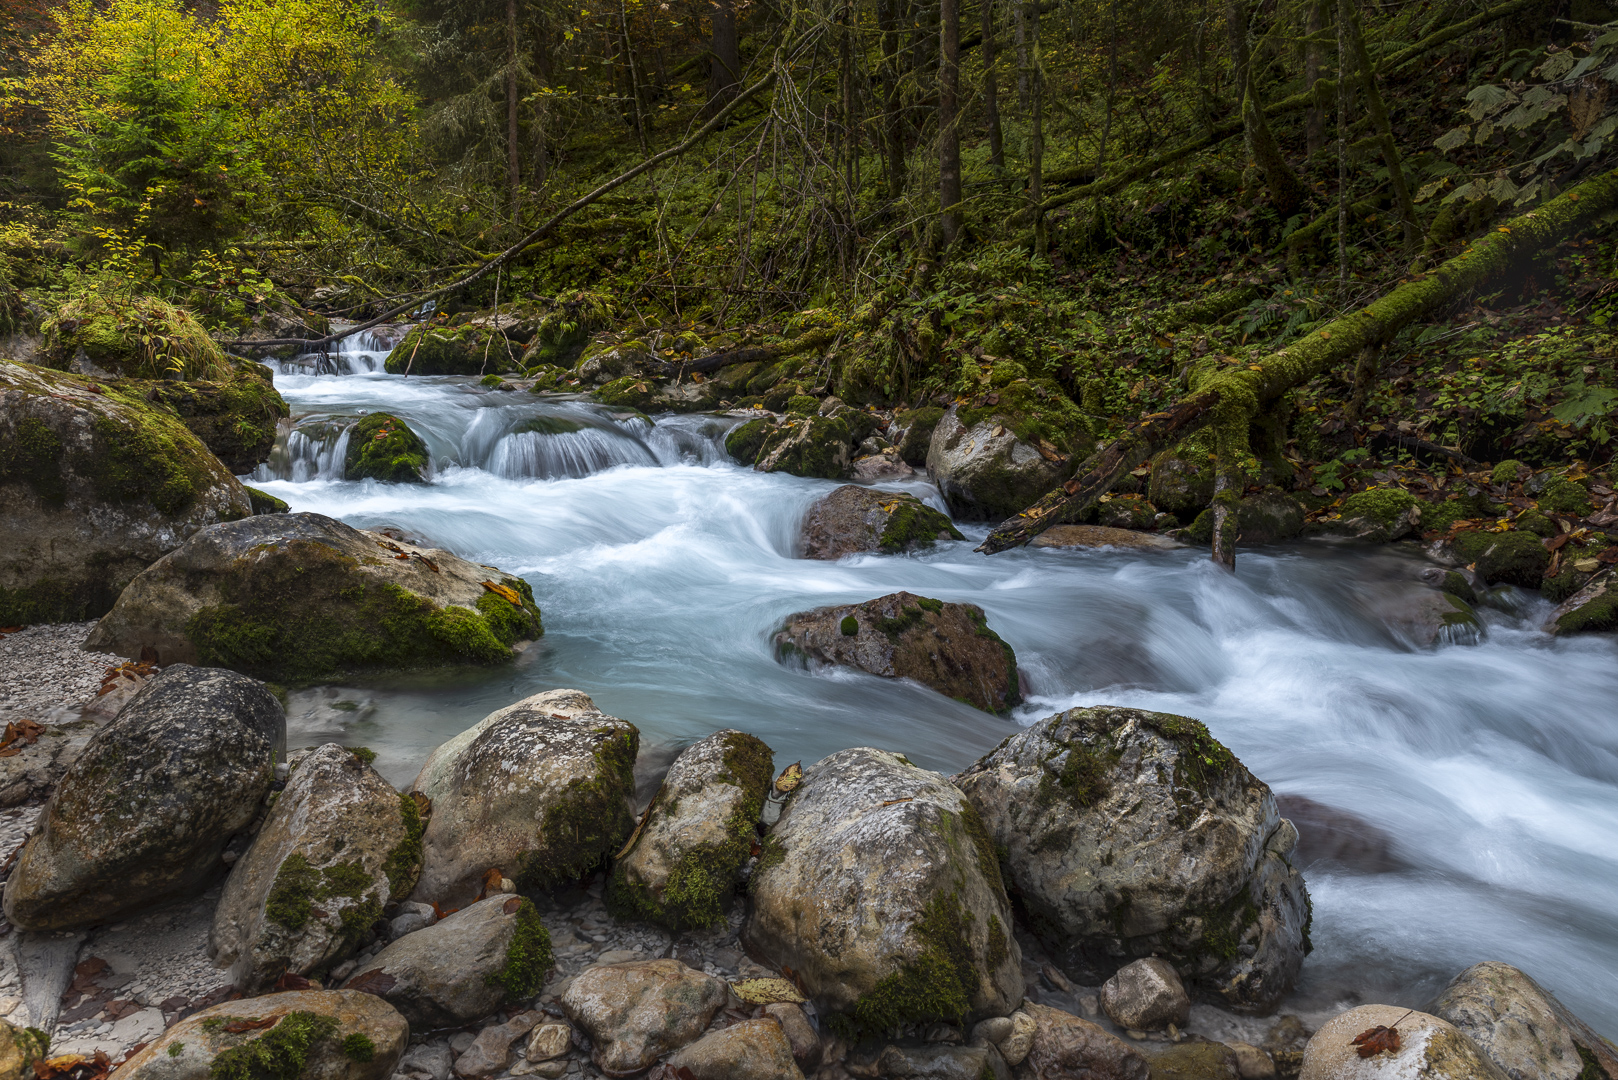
(682, 864)
(1429, 1049)
(382, 447)
(96, 484)
(317, 1035)
(1097, 536)
(985, 472)
(303, 596)
(750, 1050)
(235, 417)
(1130, 833)
(1514, 558)
(1064, 1046)
(880, 468)
(635, 1013)
(1182, 478)
(912, 433)
(813, 446)
(145, 812)
(1145, 995)
(1422, 616)
(879, 888)
(1521, 1027)
(458, 970)
(854, 519)
(339, 844)
(946, 646)
(543, 790)
(1016, 1046)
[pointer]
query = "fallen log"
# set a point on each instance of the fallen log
(1232, 397)
(814, 339)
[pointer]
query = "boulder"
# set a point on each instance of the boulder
(20, 1048)
(801, 1034)
(1269, 517)
(939, 1061)
(490, 1052)
(1512, 558)
(1064, 1046)
(303, 597)
(882, 467)
(853, 520)
(464, 966)
(912, 433)
(879, 888)
(382, 447)
(1252, 1063)
(635, 1013)
(986, 471)
(1593, 608)
(1099, 536)
(1145, 995)
(1422, 616)
(1128, 834)
(1521, 1027)
(96, 484)
(613, 360)
(235, 417)
(746, 439)
(1429, 1049)
(145, 812)
(1379, 515)
(313, 1035)
(1199, 1060)
(814, 446)
(339, 844)
(472, 348)
(948, 647)
(106, 334)
(681, 865)
(543, 790)
(750, 1050)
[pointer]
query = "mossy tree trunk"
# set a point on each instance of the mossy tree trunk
(1286, 190)
(1379, 117)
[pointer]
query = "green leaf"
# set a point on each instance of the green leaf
(1454, 138)
(1488, 99)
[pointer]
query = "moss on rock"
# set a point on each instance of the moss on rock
(1381, 505)
(265, 503)
(468, 349)
(135, 337)
(803, 404)
(938, 985)
(281, 1053)
(1515, 558)
(746, 440)
(403, 864)
(529, 958)
(914, 523)
(1563, 496)
(1035, 410)
(382, 447)
(236, 418)
(628, 392)
(586, 826)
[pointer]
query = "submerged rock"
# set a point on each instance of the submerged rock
(948, 647)
(382, 447)
(986, 471)
(1429, 1049)
(306, 597)
(1522, 1028)
(879, 888)
(338, 846)
(145, 812)
(856, 519)
(1129, 834)
(635, 1013)
(313, 1035)
(543, 790)
(681, 865)
(96, 484)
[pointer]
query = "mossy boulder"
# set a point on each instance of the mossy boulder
(1592, 609)
(948, 647)
(543, 790)
(915, 433)
(312, 1035)
(382, 447)
(144, 813)
(1126, 512)
(1522, 1027)
(1508, 472)
(236, 418)
(856, 519)
(96, 484)
(1380, 515)
(747, 439)
(1563, 496)
(813, 446)
(681, 866)
(879, 887)
(263, 502)
(629, 392)
(472, 348)
(603, 363)
(133, 337)
(1129, 834)
(1512, 558)
(463, 967)
(1000, 456)
(303, 598)
(1181, 481)
(1538, 524)
(339, 845)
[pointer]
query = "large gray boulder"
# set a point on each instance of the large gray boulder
(879, 887)
(1522, 1028)
(1129, 834)
(96, 484)
(681, 866)
(464, 966)
(339, 844)
(543, 790)
(946, 646)
(635, 1013)
(986, 472)
(145, 812)
(305, 597)
(1429, 1049)
(853, 520)
(313, 1035)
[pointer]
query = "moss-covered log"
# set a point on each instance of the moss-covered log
(1240, 393)
(814, 339)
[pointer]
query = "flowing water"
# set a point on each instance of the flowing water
(1482, 779)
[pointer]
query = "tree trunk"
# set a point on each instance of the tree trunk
(949, 136)
(1246, 390)
(1315, 126)
(892, 115)
(513, 172)
(1036, 123)
(725, 66)
(1112, 83)
(991, 90)
(1286, 190)
(634, 75)
(1379, 117)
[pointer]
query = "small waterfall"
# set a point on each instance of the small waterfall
(540, 455)
(309, 452)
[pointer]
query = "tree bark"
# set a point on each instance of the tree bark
(892, 115)
(1286, 190)
(725, 64)
(1246, 390)
(1315, 126)
(991, 89)
(949, 135)
(1036, 124)
(753, 354)
(1379, 117)
(513, 170)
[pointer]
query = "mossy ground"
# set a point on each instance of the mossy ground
(138, 337)
(382, 447)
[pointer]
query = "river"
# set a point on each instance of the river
(662, 568)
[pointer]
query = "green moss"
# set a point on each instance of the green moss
(451, 350)
(803, 404)
(359, 1047)
(34, 457)
(1507, 472)
(816, 446)
(1033, 409)
(299, 886)
(918, 433)
(382, 447)
(1592, 1069)
(1081, 778)
(1565, 497)
(745, 441)
(981, 622)
(988, 859)
(849, 626)
(548, 425)
(1456, 585)
(363, 753)
(281, 1053)
(772, 853)
(912, 523)
(528, 956)
(1223, 926)
(1538, 524)
(508, 622)
(176, 1048)
(1599, 614)
(1516, 558)
(895, 626)
(589, 821)
(403, 864)
(263, 502)
(53, 600)
(235, 418)
(490, 381)
(1381, 505)
(999, 943)
(629, 392)
(938, 984)
(140, 337)
(1203, 760)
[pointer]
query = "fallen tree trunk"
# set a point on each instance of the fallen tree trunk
(1232, 397)
(814, 339)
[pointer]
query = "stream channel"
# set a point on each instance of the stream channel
(1484, 775)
